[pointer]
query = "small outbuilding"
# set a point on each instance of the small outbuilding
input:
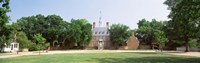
(13, 47)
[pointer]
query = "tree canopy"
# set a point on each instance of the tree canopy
(40, 42)
(5, 31)
(81, 31)
(54, 28)
(51, 27)
(119, 33)
(184, 19)
(23, 40)
(149, 32)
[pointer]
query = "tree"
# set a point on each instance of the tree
(144, 32)
(152, 32)
(160, 37)
(19, 36)
(171, 3)
(194, 43)
(119, 33)
(23, 40)
(80, 31)
(32, 25)
(5, 31)
(51, 27)
(183, 19)
(54, 28)
(40, 42)
(15, 30)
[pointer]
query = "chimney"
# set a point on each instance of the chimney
(107, 24)
(94, 24)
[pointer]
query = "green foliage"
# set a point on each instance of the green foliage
(32, 25)
(40, 42)
(119, 33)
(5, 31)
(160, 37)
(171, 3)
(4, 41)
(183, 19)
(33, 47)
(148, 32)
(143, 33)
(4, 8)
(19, 36)
(194, 44)
(53, 27)
(80, 31)
(23, 40)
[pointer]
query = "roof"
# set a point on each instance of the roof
(100, 31)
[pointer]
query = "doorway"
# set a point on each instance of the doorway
(100, 45)
(12, 47)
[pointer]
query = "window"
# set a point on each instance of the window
(102, 32)
(15, 45)
(99, 32)
(95, 32)
(105, 44)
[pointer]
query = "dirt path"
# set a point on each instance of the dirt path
(195, 54)
(8, 55)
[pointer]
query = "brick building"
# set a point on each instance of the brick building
(101, 39)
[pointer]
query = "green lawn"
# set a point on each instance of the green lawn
(103, 58)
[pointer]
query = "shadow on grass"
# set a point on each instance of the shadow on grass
(149, 60)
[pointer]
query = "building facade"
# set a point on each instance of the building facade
(13, 47)
(100, 37)
(100, 40)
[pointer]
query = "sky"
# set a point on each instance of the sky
(127, 12)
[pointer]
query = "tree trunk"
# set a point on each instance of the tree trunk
(161, 47)
(186, 45)
(1, 49)
(64, 40)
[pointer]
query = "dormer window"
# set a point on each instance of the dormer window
(107, 32)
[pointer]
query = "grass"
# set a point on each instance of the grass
(103, 58)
